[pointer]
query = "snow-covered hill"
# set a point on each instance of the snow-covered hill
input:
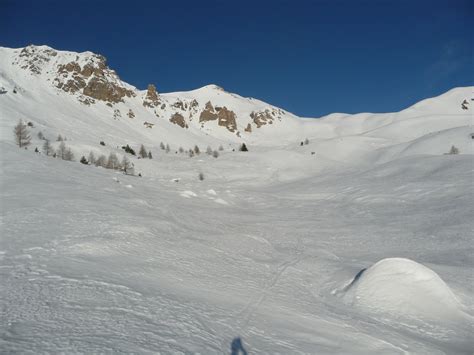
(77, 95)
(358, 242)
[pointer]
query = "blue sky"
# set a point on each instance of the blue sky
(309, 57)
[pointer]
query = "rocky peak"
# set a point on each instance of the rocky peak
(34, 58)
(152, 98)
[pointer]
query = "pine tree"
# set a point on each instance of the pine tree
(22, 136)
(59, 139)
(221, 148)
(243, 148)
(208, 150)
(196, 150)
(47, 148)
(215, 154)
(453, 150)
(40, 135)
(149, 155)
(162, 146)
(168, 148)
(142, 153)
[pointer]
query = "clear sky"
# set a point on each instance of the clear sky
(309, 57)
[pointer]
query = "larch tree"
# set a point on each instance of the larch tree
(91, 158)
(22, 136)
(47, 148)
(143, 153)
(62, 150)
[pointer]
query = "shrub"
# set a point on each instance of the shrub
(84, 160)
(102, 143)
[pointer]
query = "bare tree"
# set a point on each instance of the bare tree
(142, 152)
(61, 150)
(112, 162)
(91, 158)
(101, 161)
(22, 136)
(68, 155)
(47, 148)
(126, 164)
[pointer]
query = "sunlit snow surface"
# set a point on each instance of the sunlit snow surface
(266, 248)
(94, 261)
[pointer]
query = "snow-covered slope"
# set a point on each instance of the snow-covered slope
(77, 95)
(262, 247)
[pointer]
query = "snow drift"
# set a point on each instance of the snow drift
(402, 287)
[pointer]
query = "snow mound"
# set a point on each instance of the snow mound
(402, 287)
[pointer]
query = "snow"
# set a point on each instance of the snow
(264, 248)
(403, 287)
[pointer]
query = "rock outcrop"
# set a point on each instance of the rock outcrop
(226, 118)
(208, 114)
(152, 98)
(93, 79)
(179, 120)
(262, 118)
